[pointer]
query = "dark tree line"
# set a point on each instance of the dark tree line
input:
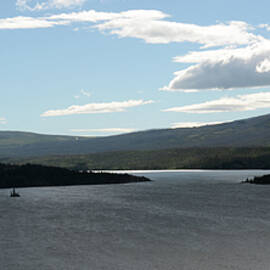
(36, 175)
(259, 180)
(181, 158)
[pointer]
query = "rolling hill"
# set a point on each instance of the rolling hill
(252, 132)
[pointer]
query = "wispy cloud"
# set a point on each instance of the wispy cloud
(196, 124)
(85, 93)
(93, 16)
(3, 120)
(94, 108)
(248, 102)
(104, 130)
(48, 4)
(28, 23)
(265, 26)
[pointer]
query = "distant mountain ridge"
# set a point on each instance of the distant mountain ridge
(252, 132)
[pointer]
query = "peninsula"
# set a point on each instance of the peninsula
(37, 176)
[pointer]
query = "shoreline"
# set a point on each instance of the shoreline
(174, 170)
(43, 176)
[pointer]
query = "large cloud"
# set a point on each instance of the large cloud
(246, 67)
(248, 102)
(162, 32)
(150, 26)
(242, 59)
(93, 108)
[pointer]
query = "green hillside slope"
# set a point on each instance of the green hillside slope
(186, 158)
(253, 132)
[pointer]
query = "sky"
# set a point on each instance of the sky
(104, 67)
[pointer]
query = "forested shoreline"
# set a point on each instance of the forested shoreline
(259, 180)
(36, 176)
(182, 158)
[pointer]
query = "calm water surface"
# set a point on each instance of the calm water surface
(199, 220)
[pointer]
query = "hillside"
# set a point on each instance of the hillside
(182, 158)
(253, 132)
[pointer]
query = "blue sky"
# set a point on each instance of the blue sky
(89, 67)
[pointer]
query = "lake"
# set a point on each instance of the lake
(183, 220)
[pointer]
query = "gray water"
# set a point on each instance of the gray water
(183, 220)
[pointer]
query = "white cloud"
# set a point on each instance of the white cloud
(94, 108)
(105, 130)
(150, 25)
(3, 120)
(263, 66)
(66, 3)
(85, 93)
(96, 16)
(265, 26)
(23, 5)
(196, 124)
(227, 68)
(158, 31)
(49, 4)
(248, 102)
(28, 23)
(239, 62)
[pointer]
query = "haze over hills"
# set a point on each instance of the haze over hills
(252, 132)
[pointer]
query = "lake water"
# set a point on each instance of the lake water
(184, 220)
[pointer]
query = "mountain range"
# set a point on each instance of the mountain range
(252, 132)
